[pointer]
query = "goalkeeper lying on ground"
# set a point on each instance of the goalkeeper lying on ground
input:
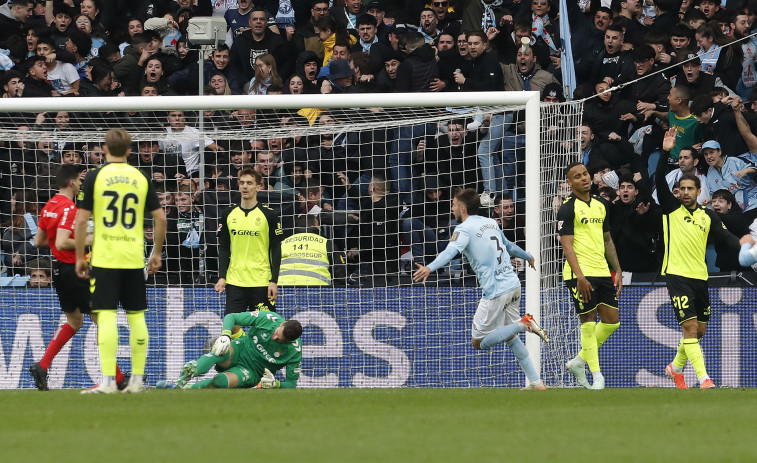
(271, 344)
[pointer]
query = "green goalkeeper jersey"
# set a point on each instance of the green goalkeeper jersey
(259, 351)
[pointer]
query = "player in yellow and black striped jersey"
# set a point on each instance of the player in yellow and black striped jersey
(688, 228)
(249, 251)
(585, 237)
(117, 196)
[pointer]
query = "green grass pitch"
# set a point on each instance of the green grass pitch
(390, 426)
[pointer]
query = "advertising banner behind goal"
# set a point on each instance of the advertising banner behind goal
(388, 337)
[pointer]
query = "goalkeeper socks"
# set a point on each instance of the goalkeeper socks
(107, 341)
(501, 335)
(238, 334)
(206, 362)
(60, 338)
(205, 383)
(589, 346)
(680, 359)
(521, 353)
(138, 337)
(694, 353)
(603, 331)
(220, 381)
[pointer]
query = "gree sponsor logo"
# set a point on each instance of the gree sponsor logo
(245, 233)
(691, 220)
(587, 220)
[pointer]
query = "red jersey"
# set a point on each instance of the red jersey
(59, 213)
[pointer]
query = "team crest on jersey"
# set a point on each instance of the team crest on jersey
(277, 354)
(257, 220)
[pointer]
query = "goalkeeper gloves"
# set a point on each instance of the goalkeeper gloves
(222, 344)
(268, 381)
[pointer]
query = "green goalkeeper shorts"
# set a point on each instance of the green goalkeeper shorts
(246, 377)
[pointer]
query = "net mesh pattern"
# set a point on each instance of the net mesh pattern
(378, 180)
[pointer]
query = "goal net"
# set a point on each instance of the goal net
(374, 174)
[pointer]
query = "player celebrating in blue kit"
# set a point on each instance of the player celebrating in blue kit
(497, 318)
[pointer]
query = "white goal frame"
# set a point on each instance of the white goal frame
(529, 99)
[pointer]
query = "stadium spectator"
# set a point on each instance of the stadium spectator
(134, 26)
(724, 203)
(452, 157)
(13, 16)
(428, 26)
(427, 225)
(128, 70)
(377, 241)
(150, 159)
(689, 162)
(62, 76)
(523, 75)
(586, 35)
(366, 29)
(85, 24)
(39, 273)
(305, 38)
(185, 239)
(634, 223)
(18, 239)
(418, 70)
(680, 117)
(733, 174)
(346, 15)
(265, 75)
(740, 29)
(12, 84)
(511, 223)
(446, 16)
(79, 44)
(183, 141)
(719, 122)
(35, 83)
(255, 41)
(631, 10)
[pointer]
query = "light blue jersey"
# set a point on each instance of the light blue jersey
(484, 245)
(744, 188)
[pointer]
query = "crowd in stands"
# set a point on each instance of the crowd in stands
(641, 66)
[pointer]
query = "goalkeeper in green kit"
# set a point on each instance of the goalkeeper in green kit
(271, 343)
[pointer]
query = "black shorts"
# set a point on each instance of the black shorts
(604, 293)
(73, 292)
(109, 286)
(241, 299)
(690, 298)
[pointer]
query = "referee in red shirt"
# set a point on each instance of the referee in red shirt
(56, 230)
